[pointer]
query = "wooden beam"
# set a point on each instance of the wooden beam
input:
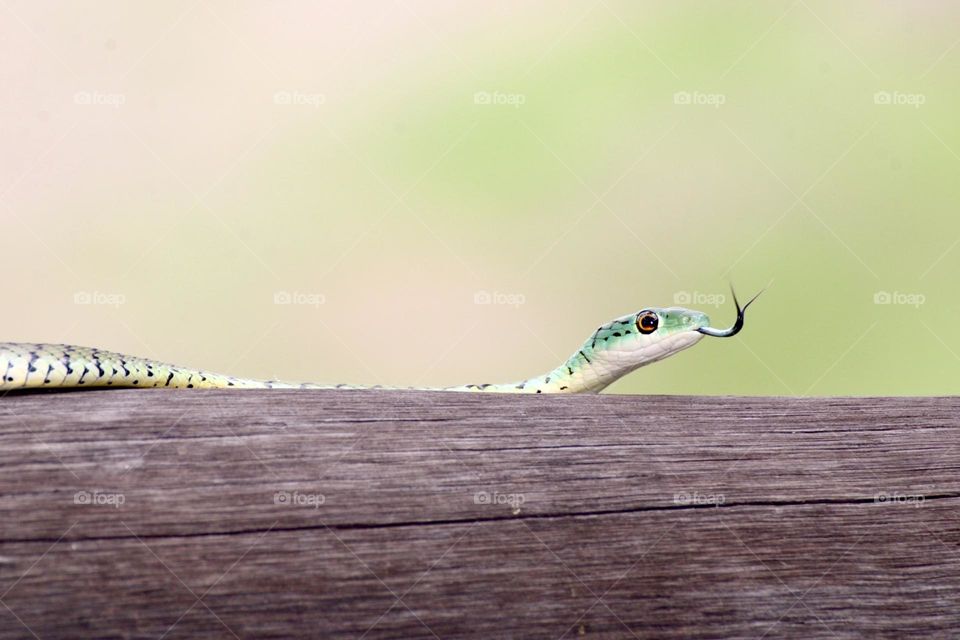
(407, 514)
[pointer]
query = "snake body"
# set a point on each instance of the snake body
(613, 350)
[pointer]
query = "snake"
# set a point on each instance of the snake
(615, 349)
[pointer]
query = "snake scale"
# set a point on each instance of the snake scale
(613, 350)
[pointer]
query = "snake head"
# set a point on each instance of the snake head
(662, 332)
(630, 342)
(644, 337)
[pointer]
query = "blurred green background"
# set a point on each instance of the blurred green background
(174, 175)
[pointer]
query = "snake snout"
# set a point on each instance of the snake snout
(677, 319)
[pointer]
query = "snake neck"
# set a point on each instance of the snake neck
(584, 372)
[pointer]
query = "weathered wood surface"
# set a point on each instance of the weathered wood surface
(144, 514)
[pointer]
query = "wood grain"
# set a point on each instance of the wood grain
(175, 514)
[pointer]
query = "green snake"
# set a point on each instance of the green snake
(612, 351)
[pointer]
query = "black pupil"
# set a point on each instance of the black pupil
(649, 321)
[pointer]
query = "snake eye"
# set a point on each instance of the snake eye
(647, 321)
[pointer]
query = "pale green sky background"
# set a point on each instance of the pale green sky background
(179, 166)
